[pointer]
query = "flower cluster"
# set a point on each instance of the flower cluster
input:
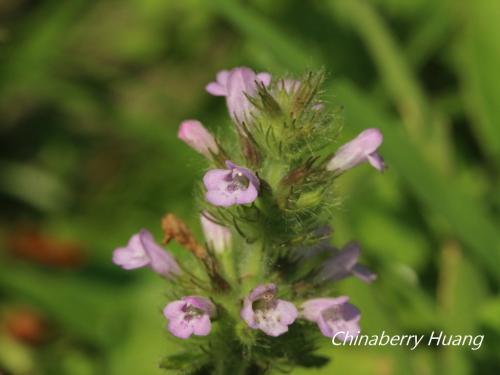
(266, 261)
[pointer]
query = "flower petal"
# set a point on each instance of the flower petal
(271, 324)
(174, 309)
(364, 273)
(217, 179)
(273, 329)
(288, 312)
(162, 262)
(265, 78)
(222, 77)
(246, 196)
(128, 259)
(247, 313)
(221, 198)
(180, 328)
(376, 161)
(201, 303)
(202, 325)
(339, 328)
(359, 150)
(343, 319)
(132, 256)
(216, 89)
(260, 290)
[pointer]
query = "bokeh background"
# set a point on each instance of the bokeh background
(92, 93)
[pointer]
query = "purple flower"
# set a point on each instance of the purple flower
(361, 149)
(335, 317)
(345, 263)
(195, 135)
(235, 84)
(262, 310)
(217, 236)
(189, 316)
(143, 251)
(235, 185)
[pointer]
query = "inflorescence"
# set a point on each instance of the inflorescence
(266, 268)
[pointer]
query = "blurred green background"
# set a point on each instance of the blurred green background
(91, 95)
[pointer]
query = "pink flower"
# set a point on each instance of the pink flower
(193, 133)
(189, 316)
(236, 85)
(361, 149)
(227, 187)
(262, 310)
(143, 251)
(217, 236)
(334, 316)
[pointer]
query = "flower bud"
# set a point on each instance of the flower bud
(217, 236)
(195, 135)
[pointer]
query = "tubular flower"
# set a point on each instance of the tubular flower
(236, 85)
(334, 316)
(344, 263)
(262, 310)
(189, 316)
(361, 149)
(227, 187)
(143, 251)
